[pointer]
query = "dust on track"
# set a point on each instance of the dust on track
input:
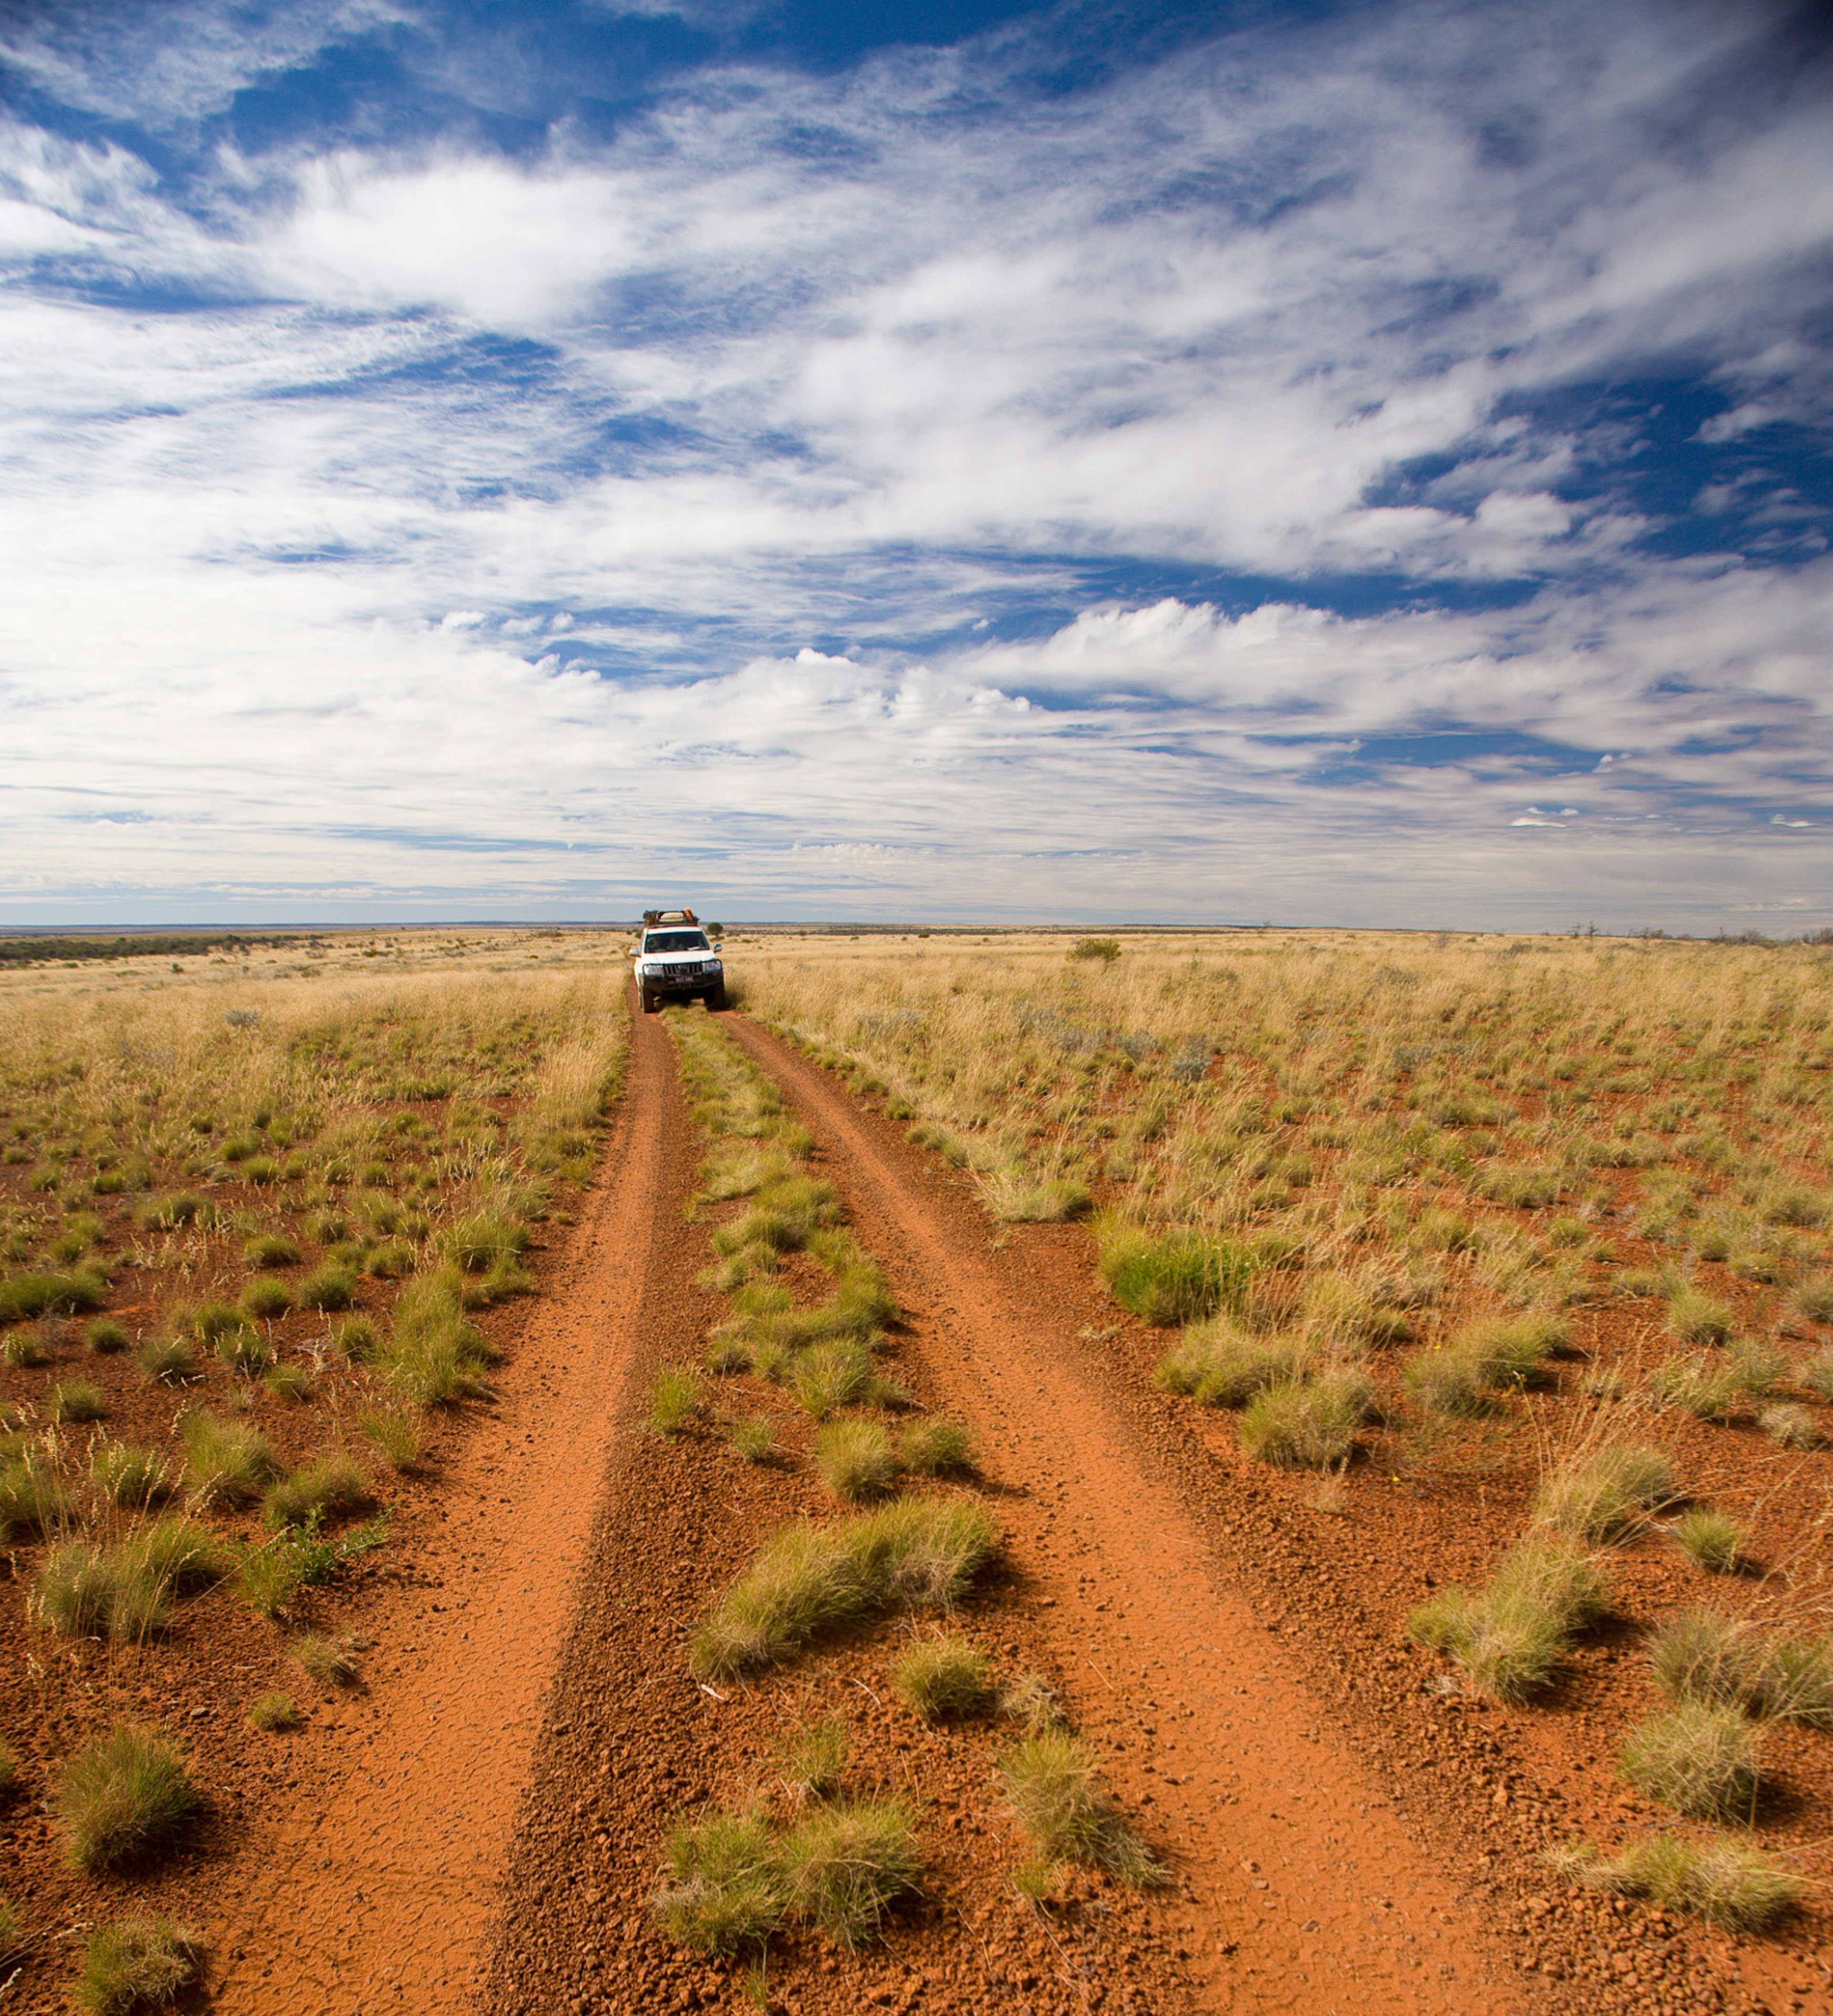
(1303, 1891)
(378, 1896)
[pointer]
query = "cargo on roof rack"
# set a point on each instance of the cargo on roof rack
(651, 918)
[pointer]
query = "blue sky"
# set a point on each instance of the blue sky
(1355, 461)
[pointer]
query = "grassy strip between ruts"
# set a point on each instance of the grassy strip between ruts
(733, 1877)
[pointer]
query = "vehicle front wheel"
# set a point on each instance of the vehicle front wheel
(714, 998)
(648, 1001)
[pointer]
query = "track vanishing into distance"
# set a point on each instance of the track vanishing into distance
(379, 1896)
(1303, 1891)
(488, 1828)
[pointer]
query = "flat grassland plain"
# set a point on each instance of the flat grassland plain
(1279, 1472)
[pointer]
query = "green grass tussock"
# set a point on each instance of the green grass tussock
(854, 1459)
(1697, 1758)
(275, 1714)
(937, 1678)
(934, 1447)
(843, 1866)
(35, 1502)
(1174, 1279)
(673, 1401)
(133, 1962)
(1225, 1366)
(229, 1462)
(724, 1890)
(730, 1880)
(124, 1798)
(1711, 1541)
(918, 1554)
(1728, 1883)
(1509, 1638)
(1605, 1494)
(1307, 1424)
(1054, 1790)
(330, 1486)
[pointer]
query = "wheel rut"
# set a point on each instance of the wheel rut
(378, 1896)
(1301, 1890)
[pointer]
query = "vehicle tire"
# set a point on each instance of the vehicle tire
(714, 998)
(649, 1001)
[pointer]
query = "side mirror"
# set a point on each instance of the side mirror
(718, 946)
(631, 951)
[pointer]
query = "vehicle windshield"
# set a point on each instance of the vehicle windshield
(676, 942)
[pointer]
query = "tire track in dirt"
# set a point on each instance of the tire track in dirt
(1302, 1890)
(379, 1896)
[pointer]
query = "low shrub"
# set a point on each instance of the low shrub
(134, 1961)
(124, 1798)
(1605, 1494)
(1055, 1793)
(1727, 1883)
(1510, 1637)
(1698, 1758)
(1307, 1424)
(914, 1553)
(167, 1214)
(939, 1677)
(854, 1459)
(105, 1336)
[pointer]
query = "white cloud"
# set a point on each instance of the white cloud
(287, 562)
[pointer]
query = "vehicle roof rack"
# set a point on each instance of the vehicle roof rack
(652, 918)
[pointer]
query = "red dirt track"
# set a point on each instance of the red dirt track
(379, 1896)
(1306, 1894)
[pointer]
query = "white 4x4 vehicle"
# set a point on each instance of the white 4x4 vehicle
(675, 962)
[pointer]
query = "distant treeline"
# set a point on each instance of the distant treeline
(24, 951)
